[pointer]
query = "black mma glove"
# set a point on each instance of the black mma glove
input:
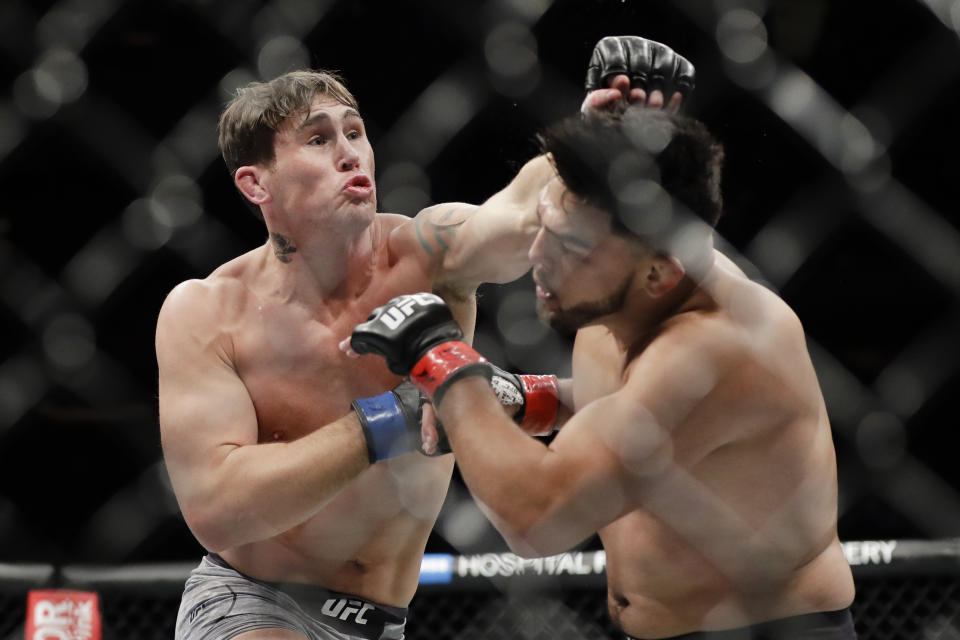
(538, 398)
(417, 335)
(649, 65)
(391, 423)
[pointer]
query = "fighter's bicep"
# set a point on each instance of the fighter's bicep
(593, 470)
(493, 243)
(618, 434)
(205, 408)
(437, 228)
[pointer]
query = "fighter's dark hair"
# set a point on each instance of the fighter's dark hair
(598, 156)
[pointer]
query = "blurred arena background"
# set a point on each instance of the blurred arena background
(840, 121)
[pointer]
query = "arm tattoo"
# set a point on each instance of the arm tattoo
(282, 247)
(437, 229)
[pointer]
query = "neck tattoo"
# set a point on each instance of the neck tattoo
(282, 247)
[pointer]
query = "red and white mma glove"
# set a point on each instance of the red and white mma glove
(418, 336)
(537, 399)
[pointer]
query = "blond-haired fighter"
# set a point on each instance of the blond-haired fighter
(285, 454)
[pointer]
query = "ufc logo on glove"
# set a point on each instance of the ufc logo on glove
(402, 308)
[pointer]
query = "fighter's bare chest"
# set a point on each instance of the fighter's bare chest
(295, 395)
(294, 370)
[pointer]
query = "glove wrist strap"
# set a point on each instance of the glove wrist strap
(444, 364)
(383, 423)
(541, 402)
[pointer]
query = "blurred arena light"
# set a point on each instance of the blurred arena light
(881, 439)
(511, 53)
(281, 54)
(947, 11)
(60, 77)
(517, 319)
(404, 187)
(463, 524)
(742, 36)
(71, 24)
(69, 341)
(436, 116)
(141, 227)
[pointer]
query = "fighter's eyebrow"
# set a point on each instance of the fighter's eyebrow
(312, 120)
(567, 238)
(321, 116)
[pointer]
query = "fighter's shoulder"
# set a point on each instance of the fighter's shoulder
(427, 234)
(762, 321)
(694, 345)
(750, 304)
(205, 302)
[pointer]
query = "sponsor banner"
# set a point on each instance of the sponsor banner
(492, 565)
(864, 556)
(436, 568)
(444, 568)
(869, 552)
(62, 615)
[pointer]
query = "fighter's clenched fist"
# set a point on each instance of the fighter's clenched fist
(417, 335)
(639, 70)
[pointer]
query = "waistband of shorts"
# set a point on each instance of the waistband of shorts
(320, 602)
(778, 628)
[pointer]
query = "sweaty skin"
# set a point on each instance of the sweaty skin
(280, 375)
(266, 457)
(699, 448)
(701, 545)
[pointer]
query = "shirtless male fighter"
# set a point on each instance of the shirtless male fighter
(699, 448)
(284, 454)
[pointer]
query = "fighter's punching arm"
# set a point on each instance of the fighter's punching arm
(493, 242)
(465, 245)
(232, 488)
(544, 499)
(469, 245)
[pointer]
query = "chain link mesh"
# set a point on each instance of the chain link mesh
(840, 125)
(894, 607)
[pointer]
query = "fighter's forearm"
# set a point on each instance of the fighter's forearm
(261, 490)
(508, 473)
(493, 242)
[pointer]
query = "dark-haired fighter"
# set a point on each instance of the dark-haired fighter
(284, 454)
(699, 449)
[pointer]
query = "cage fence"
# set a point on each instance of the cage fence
(839, 120)
(906, 590)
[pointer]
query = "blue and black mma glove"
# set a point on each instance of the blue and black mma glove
(391, 423)
(418, 336)
(649, 65)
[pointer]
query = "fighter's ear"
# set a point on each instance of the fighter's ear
(663, 273)
(248, 181)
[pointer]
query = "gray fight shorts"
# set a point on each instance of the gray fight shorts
(219, 603)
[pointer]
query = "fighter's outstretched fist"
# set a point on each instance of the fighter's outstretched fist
(633, 70)
(417, 335)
